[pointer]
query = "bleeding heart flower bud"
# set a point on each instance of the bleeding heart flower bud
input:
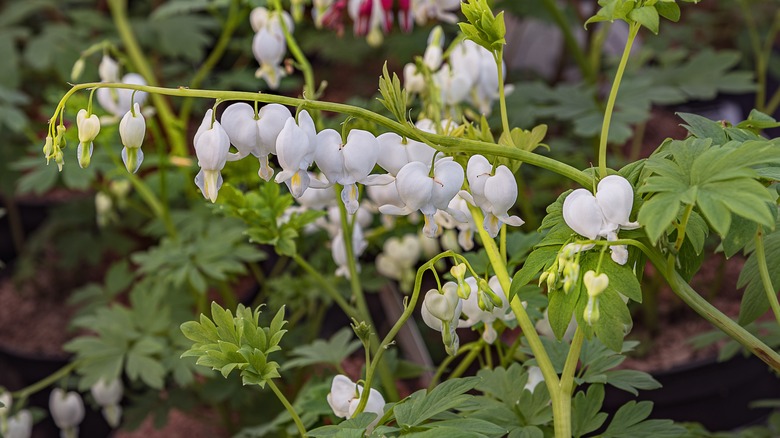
(67, 411)
(132, 129)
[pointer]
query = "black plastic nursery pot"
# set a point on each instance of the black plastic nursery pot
(715, 394)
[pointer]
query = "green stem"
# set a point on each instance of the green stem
(170, 123)
(45, 382)
(147, 195)
(334, 294)
(385, 374)
(567, 376)
(572, 46)
(234, 18)
(442, 142)
(709, 312)
(678, 243)
(468, 360)
(447, 361)
(763, 270)
(562, 428)
(409, 307)
(288, 406)
(499, 56)
(633, 30)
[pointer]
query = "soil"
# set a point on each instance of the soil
(671, 345)
(199, 424)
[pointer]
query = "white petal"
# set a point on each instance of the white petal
(415, 187)
(500, 190)
(360, 155)
(67, 409)
(271, 120)
(448, 178)
(582, 213)
(132, 129)
(392, 154)
(615, 196)
(342, 391)
(107, 393)
(238, 120)
(292, 146)
(329, 155)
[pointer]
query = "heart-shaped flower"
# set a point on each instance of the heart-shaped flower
(494, 193)
(67, 410)
(344, 398)
(211, 147)
(296, 145)
(255, 134)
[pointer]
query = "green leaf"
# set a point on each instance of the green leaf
(647, 16)
(561, 307)
(657, 214)
(585, 415)
(754, 301)
(541, 258)
(668, 10)
(631, 380)
(630, 422)
(332, 352)
(622, 279)
(703, 127)
(420, 406)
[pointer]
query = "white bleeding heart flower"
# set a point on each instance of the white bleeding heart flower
(344, 398)
(269, 45)
(602, 215)
(494, 193)
(434, 52)
(615, 196)
(7, 400)
(435, 10)
(441, 311)
(132, 129)
(395, 152)
(88, 128)
(108, 395)
(414, 81)
(398, 259)
(349, 163)
(211, 147)
(20, 425)
(453, 85)
(255, 134)
(475, 314)
(296, 145)
(419, 191)
(117, 101)
(67, 411)
(339, 250)
(479, 65)
(108, 69)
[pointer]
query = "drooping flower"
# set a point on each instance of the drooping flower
(108, 69)
(419, 191)
(108, 396)
(371, 18)
(441, 311)
(255, 134)
(132, 129)
(344, 398)
(436, 10)
(67, 411)
(117, 101)
(339, 250)
(396, 152)
(398, 258)
(89, 127)
(296, 145)
(269, 45)
(494, 193)
(20, 425)
(433, 55)
(602, 215)
(475, 314)
(211, 147)
(479, 65)
(594, 285)
(349, 163)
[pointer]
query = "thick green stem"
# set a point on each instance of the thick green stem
(632, 32)
(170, 122)
(562, 428)
(763, 270)
(288, 406)
(45, 382)
(442, 142)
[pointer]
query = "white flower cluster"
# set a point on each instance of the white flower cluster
(18, 425)
(417, 179)
(481, 302)
(469, 75)
(344, 398)
(269, 45)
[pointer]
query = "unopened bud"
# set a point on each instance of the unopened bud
(591, 314)
(78, 68)
(48, 148)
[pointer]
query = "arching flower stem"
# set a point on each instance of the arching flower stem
(439, 142)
